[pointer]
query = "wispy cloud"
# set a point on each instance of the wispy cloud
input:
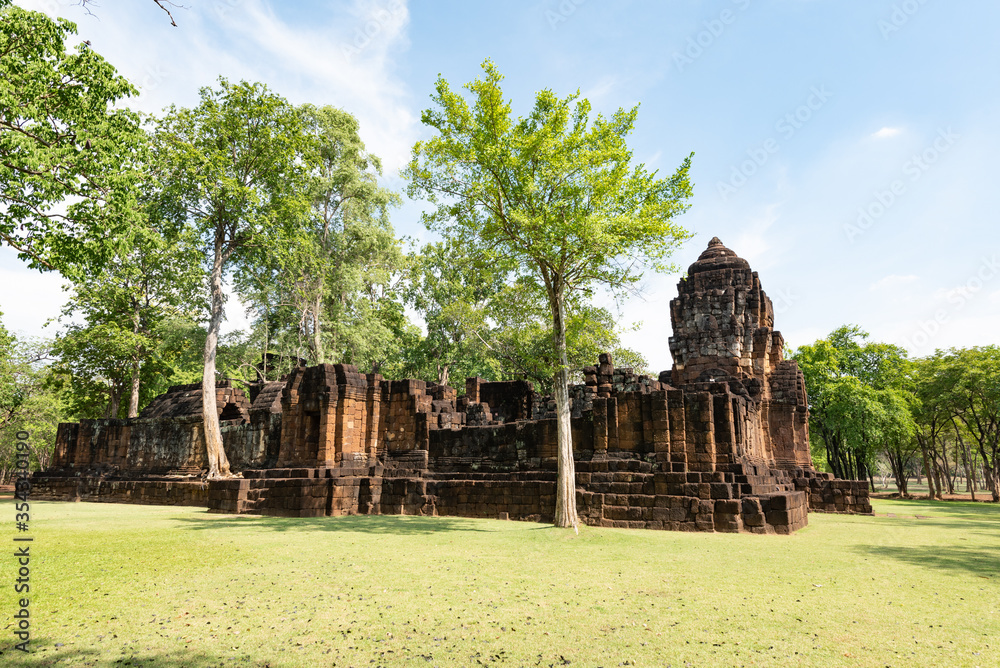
(347, 61)
(886, 132)
(345, 57)
(601, 90)
(891, 282)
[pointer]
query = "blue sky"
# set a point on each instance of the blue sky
(846, 148)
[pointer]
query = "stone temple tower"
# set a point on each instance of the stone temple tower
(724, 333)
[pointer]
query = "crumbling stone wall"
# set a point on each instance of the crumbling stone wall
(168, 436)
(98, 489)
(185, 400)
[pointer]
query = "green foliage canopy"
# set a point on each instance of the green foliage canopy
(552, 196)
(67, 157)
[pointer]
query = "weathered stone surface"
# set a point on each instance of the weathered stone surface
(724, 335)
(185, 400)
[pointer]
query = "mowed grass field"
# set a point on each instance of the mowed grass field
(126, 585)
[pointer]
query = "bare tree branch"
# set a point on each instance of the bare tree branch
(162, 4)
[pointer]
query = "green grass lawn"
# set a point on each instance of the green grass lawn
(118, 585)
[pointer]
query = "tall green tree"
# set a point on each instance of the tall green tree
(353, 246)
(67, 154)
(934, 413)
(233, 170)
(555, 196)
(336, 286)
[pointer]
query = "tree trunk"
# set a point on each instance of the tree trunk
(317, 334)
(833, 454)
(991, 467)
(443, 370)
(946, 468)
(927, 468)
(967, 463)
(218, 463)
(898, 464)
(114, 403)
(565, 515)
(133, 401)
(939, 482)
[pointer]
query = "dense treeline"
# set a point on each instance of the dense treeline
(874, 410)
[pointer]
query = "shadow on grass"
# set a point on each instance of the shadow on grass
(43, 652)
(981, 561)
(376, 524)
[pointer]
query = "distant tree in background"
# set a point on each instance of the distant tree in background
(959, 418)
(553, 196)
(27, 403)
(860, 403)
(453, 296)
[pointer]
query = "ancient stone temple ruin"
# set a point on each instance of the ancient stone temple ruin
(720, 442)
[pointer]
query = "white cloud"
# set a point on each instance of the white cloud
(346, 61)
(887, 132)
(892, 281)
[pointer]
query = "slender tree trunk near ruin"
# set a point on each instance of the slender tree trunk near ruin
(833, 457)
(133, 401)
(263, 354)
(317, 334)
(565, 515)
(218, 463)
(443, 370)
